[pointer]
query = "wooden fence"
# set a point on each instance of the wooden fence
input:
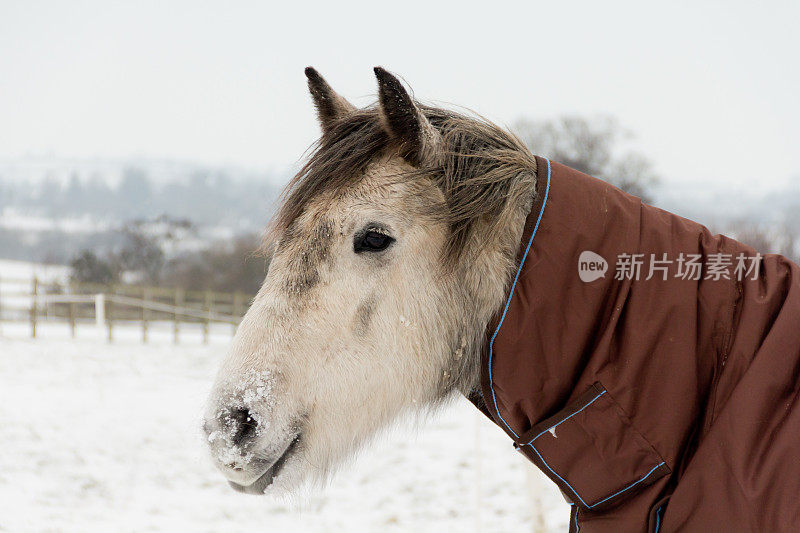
(108, 306)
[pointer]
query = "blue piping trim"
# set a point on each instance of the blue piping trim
(577, 526)
(570, 416)
(658, 519)
(559, 477)
(647, 475)
(629, 486)
(575, 492)
(510, 294)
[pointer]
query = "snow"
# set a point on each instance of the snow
(23, 270)
(12, 218)
(106, 437)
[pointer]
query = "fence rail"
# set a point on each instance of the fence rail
(107, 306)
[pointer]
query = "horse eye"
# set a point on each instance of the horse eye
(372, 241)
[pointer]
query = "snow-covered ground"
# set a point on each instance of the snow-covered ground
(23, 270)
(105, 437)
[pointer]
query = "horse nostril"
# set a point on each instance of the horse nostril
(244, 425)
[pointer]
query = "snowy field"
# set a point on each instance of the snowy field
(25, 270)
(105, 437)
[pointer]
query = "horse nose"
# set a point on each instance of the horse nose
(231, 426)
(242, 426)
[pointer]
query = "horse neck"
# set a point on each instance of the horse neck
(484, 279)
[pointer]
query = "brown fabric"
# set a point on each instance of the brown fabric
(670, 403)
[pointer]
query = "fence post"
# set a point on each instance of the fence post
(100, 310)
(208, 305)
(145, 313)
(72, 318)
(33, 306)
(110, 317)
(177, 316)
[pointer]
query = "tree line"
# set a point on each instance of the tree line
(150, 247)
(206, 196)
(142, 258)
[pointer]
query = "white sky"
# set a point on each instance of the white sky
(711, 90)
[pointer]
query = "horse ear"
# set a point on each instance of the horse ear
(330, 106)
(404, 121)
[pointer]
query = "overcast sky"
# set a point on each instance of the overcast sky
(710, 90)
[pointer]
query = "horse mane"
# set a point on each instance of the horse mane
(477, 165)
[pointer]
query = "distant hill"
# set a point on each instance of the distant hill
(107, 191)
(50, 208)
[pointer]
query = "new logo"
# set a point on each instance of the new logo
(591, 266)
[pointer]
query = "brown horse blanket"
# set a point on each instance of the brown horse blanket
(648, 367)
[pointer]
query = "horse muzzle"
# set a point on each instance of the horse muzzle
(265, 480)
(246, 447)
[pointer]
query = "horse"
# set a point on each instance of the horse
(394, 244)
(402, 247)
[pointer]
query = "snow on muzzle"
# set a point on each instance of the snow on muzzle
(248, 442)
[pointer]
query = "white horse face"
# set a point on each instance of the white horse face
(386, 272)
(347, 331)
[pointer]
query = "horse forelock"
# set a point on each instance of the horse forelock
(478, 166)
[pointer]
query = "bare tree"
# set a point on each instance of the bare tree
(775, 239)
(753, 235)
(88, 268)
(789, 242)
(140, 253)
(231, 266)
(590, 145)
